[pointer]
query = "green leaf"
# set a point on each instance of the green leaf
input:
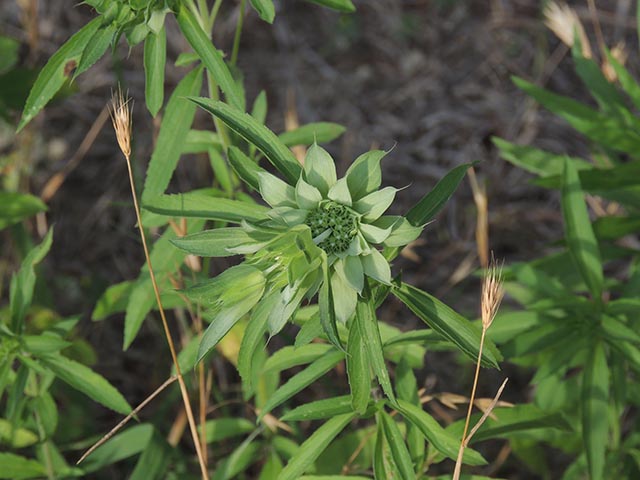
(155, 56)
(344, 298)
(290, 356)
(95, 48)
(399, 451)
(311, 449)
(367, 323)
(325, 303)
(114, 299)
(252, 339)
(265, 9)
(407, 390)
(176, 123)
(23, 283)
(259, 135)
(201, 141)
(57, 71)
(358, 370)
(427, 208)
(17, 206)
(595, 411)
(123, 445)
(376, 266)
(627, 82)
(9, 50)
(240, 459)
(373, 205)
(581, 240)
(16, 437)
(320, 132)
(248, 170)
(320, 409)
(209, 55)
(442, 441)
(197, 205)
(447, 323)
(214, 243)
(225, 428)
(154, 460)
(600, 127)
(605, 93)
(44, 343)
(86, 381)
(339, 5)
(16, 467)
(242, 287)
(535, 160)
(303, 379)
(276, 192)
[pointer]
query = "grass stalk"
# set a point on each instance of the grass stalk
(492, 293)
(121, 117)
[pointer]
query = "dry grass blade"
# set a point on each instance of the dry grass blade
(121, 118)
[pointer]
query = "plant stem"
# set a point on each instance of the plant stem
(236, 38)
(165, 325)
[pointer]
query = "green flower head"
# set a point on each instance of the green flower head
(345, 219)
(322, 235)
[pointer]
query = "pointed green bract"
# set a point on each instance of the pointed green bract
(339, 193)
(364, 176)
(319, 169)
(265, 9)
(276, 192)
(307, 196)
(321, 132)
(344, 298)
(351, 270)
(373, 205)
(376, 266)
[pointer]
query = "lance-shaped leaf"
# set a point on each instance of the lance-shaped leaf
(19, 467)
(364, 176)
(340, 5)
(57, 71)
(197, 205)
(210, 56)
(248, 170)
(248, 128)
(96, 46)
(321, 132)
(447, 323)
(301, 380)
(358, 370)
(320, 409)
(399, 451)
(442, 441)
(311, 449)
(581, 240)
(366, 321)
(595, 410)
(86, 381)
(155, 56)
(218, 242)
(175, 127)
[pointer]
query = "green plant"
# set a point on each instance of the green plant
(578, 330)
(319, 257)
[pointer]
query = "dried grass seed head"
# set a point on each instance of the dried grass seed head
(564, 22)
(492, 293)
(121, 118)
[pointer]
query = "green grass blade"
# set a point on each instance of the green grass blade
(17, 467)
(210, 56)
(311, 449)
(319, 410)
(57, 71)
(155, 56)
(175, 127)
(248, 128)
(123, 445)
(595, 410)
(85, 380)
(448, 323)
(581, 240)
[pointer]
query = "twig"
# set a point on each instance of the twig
(123, 422)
